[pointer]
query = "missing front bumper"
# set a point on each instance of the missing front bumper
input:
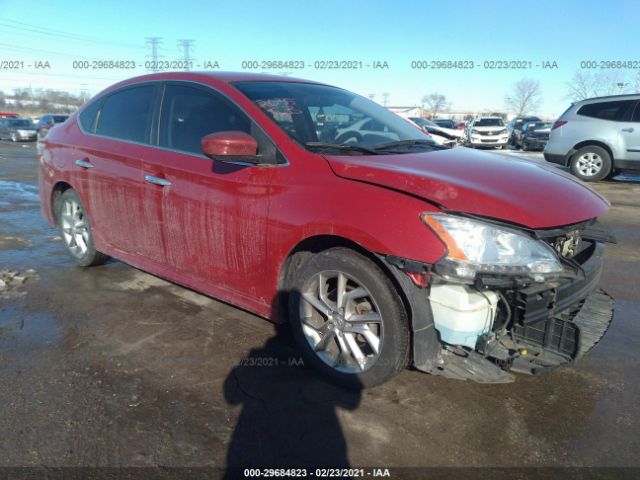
(556, 341)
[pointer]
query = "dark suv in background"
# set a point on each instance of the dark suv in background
(46, 122)
(514, 127)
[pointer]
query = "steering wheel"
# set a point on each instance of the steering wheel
(345, 137)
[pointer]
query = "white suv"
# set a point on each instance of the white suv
(487, 132)
(597, 137)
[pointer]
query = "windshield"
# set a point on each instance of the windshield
(488, 122)
(311, 114)
(20, 123)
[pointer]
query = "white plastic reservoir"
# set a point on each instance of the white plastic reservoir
(461, 314)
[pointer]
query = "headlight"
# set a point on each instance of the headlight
(473, 130)
(477, 247)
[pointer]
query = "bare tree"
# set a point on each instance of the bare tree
(582, 85)
(597, 84)
(436, 102)
(636, 83)
(525, 97)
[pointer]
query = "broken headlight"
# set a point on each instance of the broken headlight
(476, 247)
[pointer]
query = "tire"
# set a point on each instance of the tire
(591, 163)
(325, 332)
(613, 173)
(75, 228)
(525, 146)
(14, 137)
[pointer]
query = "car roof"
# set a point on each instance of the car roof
(212, 78)
(608, 98)
(223, 77)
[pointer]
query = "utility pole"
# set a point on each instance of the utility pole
(154, 43)
(84, 92)
(385, 97)
(185, 45)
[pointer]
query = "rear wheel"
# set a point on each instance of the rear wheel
(591, 163)
(348, 319)
(75, 228)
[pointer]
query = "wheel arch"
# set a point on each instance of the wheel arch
(586, 143)
(309, 246)
(56, 193)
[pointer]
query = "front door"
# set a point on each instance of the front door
(213, 214)
(630, 136)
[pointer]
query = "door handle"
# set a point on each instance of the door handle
(163, 182)
(84, 164)
(630, 130)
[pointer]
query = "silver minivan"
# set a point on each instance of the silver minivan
(597, 137)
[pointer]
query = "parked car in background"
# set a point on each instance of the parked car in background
(515, 125)
(445, 123)
(436, 138)
(46, 122)
(449, 136)
(487, 132)
(533, 135)
(597, 137)
(378, 252)
(17, 129)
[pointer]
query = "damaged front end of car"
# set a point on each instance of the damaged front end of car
(505, 299)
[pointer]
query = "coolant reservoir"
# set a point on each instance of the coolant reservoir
(461, 314)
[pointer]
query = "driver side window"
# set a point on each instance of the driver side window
(190, 113)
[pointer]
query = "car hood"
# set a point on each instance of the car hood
(489, 129)
(513, 190)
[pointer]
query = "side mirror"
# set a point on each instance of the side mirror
(231, 146)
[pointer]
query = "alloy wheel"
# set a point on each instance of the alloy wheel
(589, 164)
(341, 321)
(75, 227)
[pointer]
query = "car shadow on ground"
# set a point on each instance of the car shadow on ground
(289, 415)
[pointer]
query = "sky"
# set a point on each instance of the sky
(372, 32)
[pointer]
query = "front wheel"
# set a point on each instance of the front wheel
(75, 228)
(591, 163)
(14, 137)
(348, 319)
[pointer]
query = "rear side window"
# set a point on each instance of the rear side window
(636, 114)
(615, 110)
(87, 117)
(126, 114)
(189, 113)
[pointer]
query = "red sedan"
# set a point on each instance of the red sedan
(308, 204)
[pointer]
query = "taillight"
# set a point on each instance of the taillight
(558, 123)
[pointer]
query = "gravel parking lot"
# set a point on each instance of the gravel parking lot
(110, 366)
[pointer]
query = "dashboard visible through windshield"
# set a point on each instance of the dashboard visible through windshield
(319, 116)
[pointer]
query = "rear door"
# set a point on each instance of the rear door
(109, 164)
(213, 214)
